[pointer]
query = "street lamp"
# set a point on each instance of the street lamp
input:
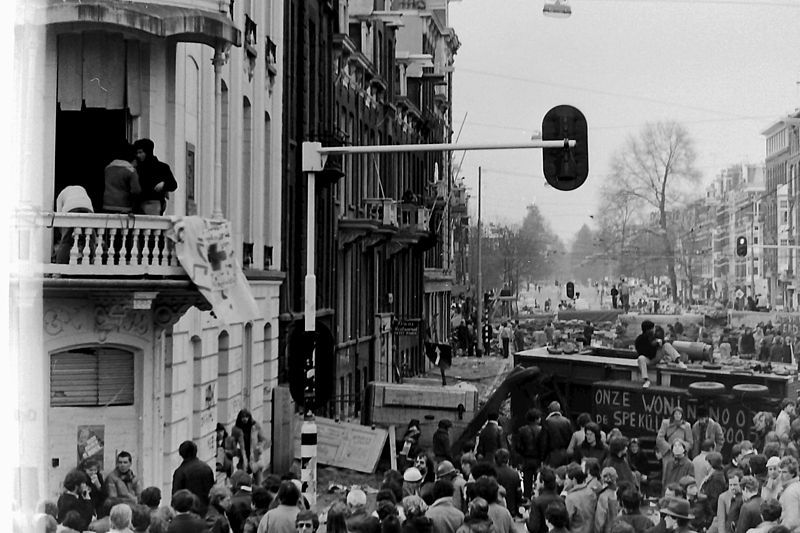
(557, 9)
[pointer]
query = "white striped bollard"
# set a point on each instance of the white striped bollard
(308, 460)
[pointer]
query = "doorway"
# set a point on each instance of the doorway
(85, 141)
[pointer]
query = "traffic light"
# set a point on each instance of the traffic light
(487, 336)
(741, 246)
(565, 168)
(570, 290)
(486, 300)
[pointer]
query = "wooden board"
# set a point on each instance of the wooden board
(345, 445)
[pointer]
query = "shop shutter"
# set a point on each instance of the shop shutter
(91, 377)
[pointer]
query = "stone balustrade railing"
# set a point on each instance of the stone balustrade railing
(111, 245)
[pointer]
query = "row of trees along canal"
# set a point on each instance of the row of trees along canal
(652, 178)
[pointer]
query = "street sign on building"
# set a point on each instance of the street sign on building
(407, 327)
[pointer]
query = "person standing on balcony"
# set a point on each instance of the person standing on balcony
(155, 177)
(122, 186)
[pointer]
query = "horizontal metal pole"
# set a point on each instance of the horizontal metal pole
(440, 147)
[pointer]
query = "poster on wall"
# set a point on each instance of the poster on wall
(91, 441)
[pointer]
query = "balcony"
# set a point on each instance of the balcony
(375, 221)
(199, 21)
(110, 245)
(458, 203)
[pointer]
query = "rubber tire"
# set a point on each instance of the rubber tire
(706, 389)
(750, 389)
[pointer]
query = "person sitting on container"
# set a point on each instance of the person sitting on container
(652, 350)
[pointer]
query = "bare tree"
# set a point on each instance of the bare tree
(656, 167)
(616, 219)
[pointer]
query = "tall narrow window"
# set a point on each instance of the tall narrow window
(247, 182)
(224, 140)
(247, 365)
(223, 369)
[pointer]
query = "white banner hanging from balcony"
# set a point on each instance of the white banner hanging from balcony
(205, 250)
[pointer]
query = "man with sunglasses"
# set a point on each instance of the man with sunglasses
(307, 522)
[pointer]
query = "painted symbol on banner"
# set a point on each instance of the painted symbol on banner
(739, 294)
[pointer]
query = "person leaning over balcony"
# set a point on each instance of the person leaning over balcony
(156, 179)
(122, 187)
(72, 199)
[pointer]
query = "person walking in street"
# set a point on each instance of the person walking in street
(545, 495)
(519, 337)
(508, 478)
(529, 448)
(677, 516)
(488, 489)
(281, 519)
(155, 178)
(607, 505)
(588, 331)
(677, 465)
(490, 439)
(784, 419)
(750, 514)
(185, 520)
(219, 503)
(581, 501)
(443, 513)
(773, 486)
(122, 483)
(194, 475)
(614, 295)
(441, 441)
(790, 498)
(477, 519)
(557, 432)
(446, 470)
(505, 337)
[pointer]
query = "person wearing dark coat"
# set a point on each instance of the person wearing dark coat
(715, 482)
(490, 439)
(547, 494)
(441, 441)
(592, 445)
(750, 513)
(508, 478)
(155, 179)
(630, 501)
(240, 501)
(185, 521)
(557, 432)
(96, 485)
(529, 448)
(477, 519)
(617, 458)
(194, 475)
(76, 497)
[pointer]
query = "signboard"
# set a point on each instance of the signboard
(407, 327)
(91, 444)
(346, 445)
(639, 412)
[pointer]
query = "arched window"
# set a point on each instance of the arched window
(92, 377)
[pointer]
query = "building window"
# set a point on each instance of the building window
(91, 377)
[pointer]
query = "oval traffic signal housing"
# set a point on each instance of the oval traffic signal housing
(565, 168)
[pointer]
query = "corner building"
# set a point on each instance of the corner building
(118, 348)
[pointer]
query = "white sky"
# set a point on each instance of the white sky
(725, 69)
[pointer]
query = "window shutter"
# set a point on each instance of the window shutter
(91, 377)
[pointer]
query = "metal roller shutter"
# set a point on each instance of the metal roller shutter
(91, 377)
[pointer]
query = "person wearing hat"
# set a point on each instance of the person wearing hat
(412, 479)
(446, 470)
(155, 178)
(677, 515)
(359, 521)
(441, 441)
(773, 487)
